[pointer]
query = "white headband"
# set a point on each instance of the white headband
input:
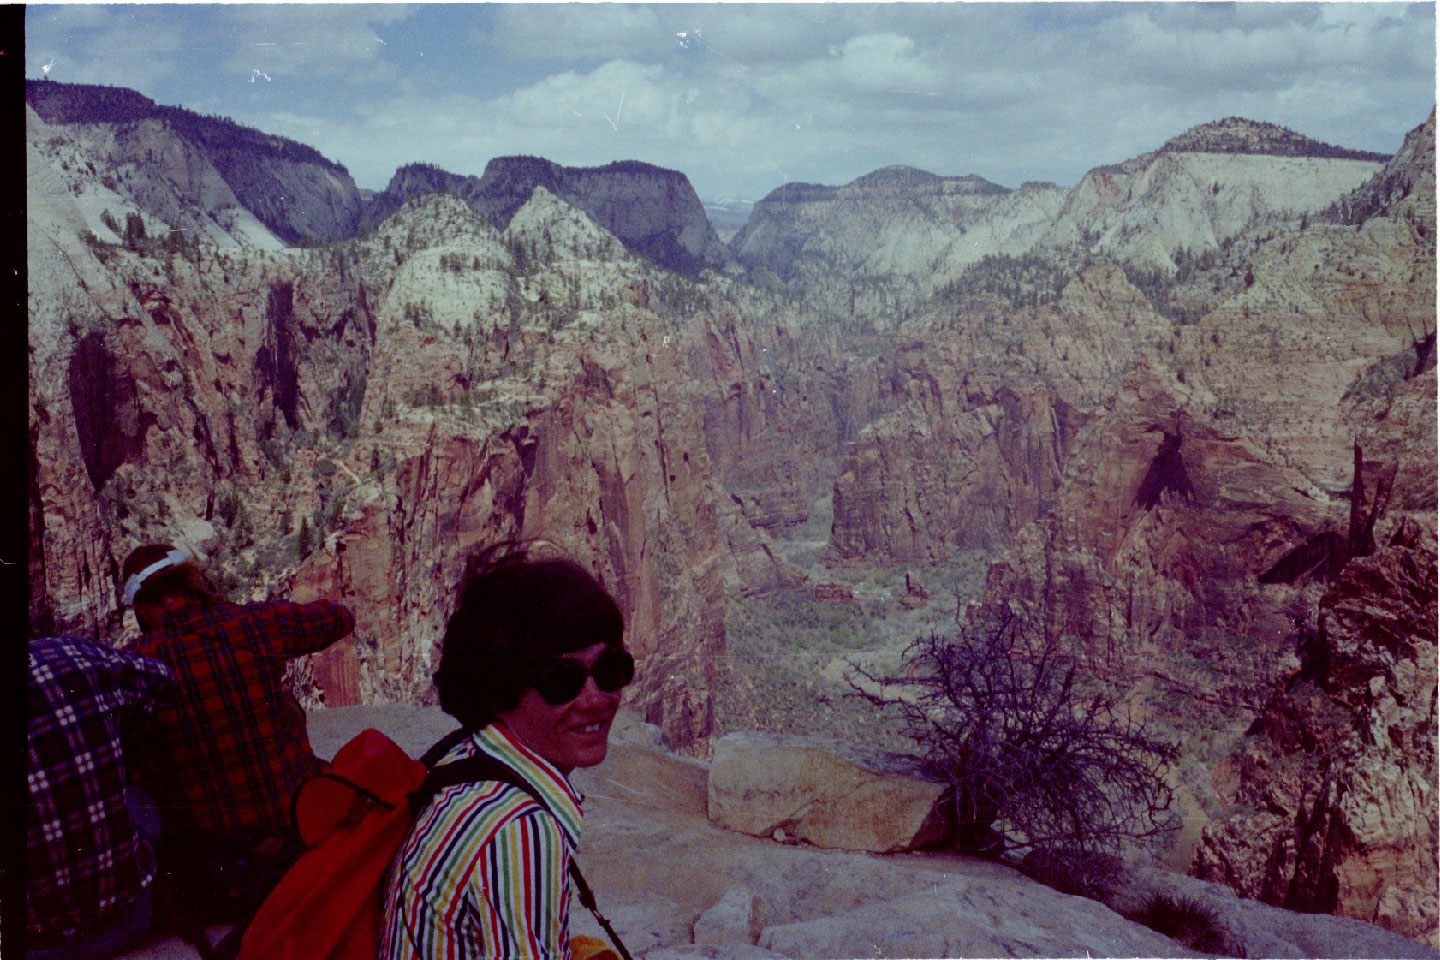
(132, 586)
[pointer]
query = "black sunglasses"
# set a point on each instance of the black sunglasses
(563, 682)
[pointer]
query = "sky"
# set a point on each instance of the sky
(743, 97)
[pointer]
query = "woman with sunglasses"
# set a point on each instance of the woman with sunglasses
(532, 665)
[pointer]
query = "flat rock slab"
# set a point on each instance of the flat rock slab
(795, 789)
(666, 876)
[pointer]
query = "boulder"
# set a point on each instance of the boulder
(1248, 928)
(973, 918)
(733, 920)
(798, 789)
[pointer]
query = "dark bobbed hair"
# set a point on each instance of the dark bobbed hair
(183, 579)
(516, 615)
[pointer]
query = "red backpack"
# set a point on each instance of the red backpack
(353, 818)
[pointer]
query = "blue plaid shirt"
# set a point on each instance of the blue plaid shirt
(82, 854)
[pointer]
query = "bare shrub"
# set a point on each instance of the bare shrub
(1035, 752)
(1188, 921)
(1082, 873)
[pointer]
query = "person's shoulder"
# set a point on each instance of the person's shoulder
(486, 805)
(80, 651)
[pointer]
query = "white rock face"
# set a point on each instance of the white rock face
(733, 920)
(75, 173)
(1147, 208)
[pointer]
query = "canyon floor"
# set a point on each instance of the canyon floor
(677, 886)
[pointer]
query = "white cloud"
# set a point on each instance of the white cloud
(307, 40)
(106, 45)
(635, 96)
(569, 31)
(878, 62)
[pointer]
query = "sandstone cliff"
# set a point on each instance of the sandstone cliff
(876, 247)
(363, 415)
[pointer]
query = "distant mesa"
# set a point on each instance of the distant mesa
(901, 175)
(58, 102)
(894, 176)
(1238, 135)
(652, 210)
(292, 189)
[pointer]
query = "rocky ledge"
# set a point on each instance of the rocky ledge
(676, 885)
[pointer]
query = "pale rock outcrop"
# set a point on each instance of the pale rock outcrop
(801, 791)
(733, 920)
(876, 247)
(665, 876)
(1249, 928)
(1205, 187)
(210, 177)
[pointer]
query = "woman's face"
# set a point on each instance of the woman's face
(570, 735)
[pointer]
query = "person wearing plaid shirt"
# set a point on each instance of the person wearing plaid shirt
(224, 761)
(89, 871)
(233, 748)
(532, 665)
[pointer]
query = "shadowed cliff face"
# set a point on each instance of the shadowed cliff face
(102, 396)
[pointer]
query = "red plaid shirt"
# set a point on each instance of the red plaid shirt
(228, 754)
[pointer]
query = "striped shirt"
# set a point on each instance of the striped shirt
(482, 873)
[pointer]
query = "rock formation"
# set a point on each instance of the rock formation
(169, 161)
(653, 211)
(362, 416)
(1333, 793)
(876, 247)
(676, 886)
(798, 791)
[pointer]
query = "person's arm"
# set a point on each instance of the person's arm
(524, 883)
(313, 626)
(141, 683)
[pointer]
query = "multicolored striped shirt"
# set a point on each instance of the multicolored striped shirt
(232, 750)
(82, 854)
(483, 872)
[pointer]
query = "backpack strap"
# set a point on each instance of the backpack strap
(481, 767)
(443, 746)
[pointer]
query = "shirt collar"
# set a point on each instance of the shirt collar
(559, 795)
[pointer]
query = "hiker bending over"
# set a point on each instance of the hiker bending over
(224, 760)
(88, 837)
(532, 666)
